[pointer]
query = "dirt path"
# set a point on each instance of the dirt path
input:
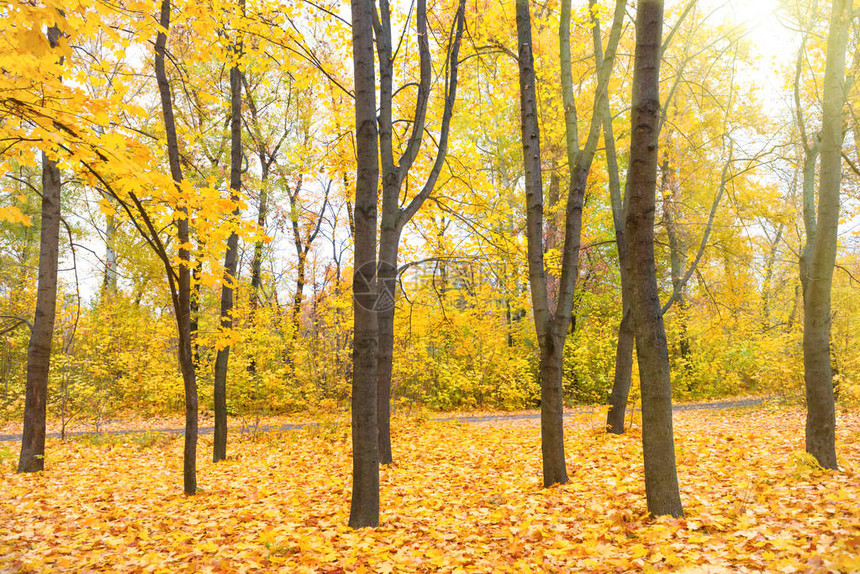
(463, 418)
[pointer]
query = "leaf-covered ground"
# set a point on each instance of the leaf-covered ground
(461, 497)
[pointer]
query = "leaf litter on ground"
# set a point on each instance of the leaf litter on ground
(459, 498)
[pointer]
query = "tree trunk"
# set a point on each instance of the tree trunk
(39, 349)
(386, 277)
(661, 480)
(300, 289)
(257, 260)
(302, 248)
(32, 458)
(182, 294)
(394, 218)
(624, 347)
(810, 158)
(821, 410)
(110, 278)
(552, 412)
(551, 348)
(262, 214)
(364, 506)
(230, 259)
(623, 369)
(670, 193)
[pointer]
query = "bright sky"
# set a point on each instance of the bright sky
(775, 46)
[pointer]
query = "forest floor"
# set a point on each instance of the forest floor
(11, 430)
(459, 498)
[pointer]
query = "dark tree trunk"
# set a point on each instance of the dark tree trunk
(551, 346)
(32, 458)
(624, 347)
(303, 247)
(194, 305)
(394, 218)
(39, 349)
(552, 412)
(364, 507)
(230, 259)
(262, 215)
(387, 276)
(182, 293)
(661, 479)
(299, 294)
(552, 315)
(257, 260)
(623, 369)
(820, 404)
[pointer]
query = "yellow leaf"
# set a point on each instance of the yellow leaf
(14, 215)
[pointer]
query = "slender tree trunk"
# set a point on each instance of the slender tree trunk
(661, 479)
(182, 295)
(551, 347)
(820, 404)
(364, 507)
(623, 368)
(810, 159)
(230, 259)
(39, 349)
(394, 218)
(32, 458)
(257, 260)
(768, 278)
(194, 304)
(670, 194)
(300, 289)
(302, 248)
(262, 215)
(110, 278)
(624, 347)
(386, 277)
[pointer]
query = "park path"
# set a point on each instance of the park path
(740, 403)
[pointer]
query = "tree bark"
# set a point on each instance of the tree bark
(387, 277)
(552, 315)
(551, 346)
(661, 480)
(821, 410)
(394, 217)
(32, 457)
(262, 215)
(111, 276)
(670, 193)
(182, 293)
(230, 259)
(364, 507)
(624, 347)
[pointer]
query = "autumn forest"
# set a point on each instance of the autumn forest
(461, 286)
